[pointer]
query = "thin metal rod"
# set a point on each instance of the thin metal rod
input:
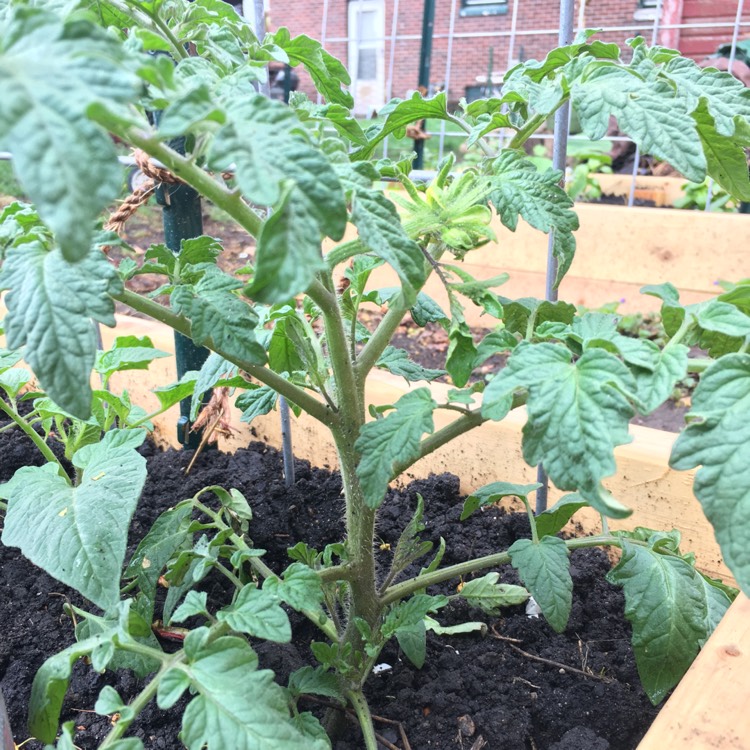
(286, 442)
(391, 65)
(559, 156)
(448, 65)
(323, 37)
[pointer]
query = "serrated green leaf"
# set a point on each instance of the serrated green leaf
(173, 683)
(666, 604)
(493, 492)
(236, 705)
(648, 110)
(168, 534)
(724, 96)
(718, 441)
(396, 437)
(412, 611)
(195, 603)
(219, 318)
(299, 587)
(655, 387)
(545, 569)
(51, 305)
(328, 74)
(398, 114)
(127, 353)
(172, 394)
(268, 153)
(14, 379)
(725, 158)
(552, 520)
(397, 362)
(52, 72)
(462, 352)
(258, 613)
(78, 534)
(409, 546)
(315, 681)
(109, 702)
(282, 353)
(518, 188)
(577, 414)
(490, 596)
(412, 639)
(380, 228)
(518, 313)
(257, 402)
(288, 253)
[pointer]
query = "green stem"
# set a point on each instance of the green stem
(139, 703)
(486, 148)
(183, 167)
(143, 18)
(700, 364)
(281, 385)
(342, 253)
(338, 349)
(324, 624)
(438, 439)
(359, 704)
(36, 438)
(532, 521)
(532, 126)
(406, 588)
(381, 337)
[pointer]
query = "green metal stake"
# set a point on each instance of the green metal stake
(182, 219)
(425, 57)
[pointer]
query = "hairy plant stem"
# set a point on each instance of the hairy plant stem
(359, 704)
(226, 199)
(406, 588)
(261, 569)
(35, 437)
(291, 392)
(140, 701)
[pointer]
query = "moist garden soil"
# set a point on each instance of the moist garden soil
(519, 686)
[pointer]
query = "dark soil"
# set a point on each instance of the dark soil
(471, 687)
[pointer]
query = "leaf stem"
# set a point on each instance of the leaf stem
(486, 148)
(140, 701)
(36, 438)
(408, 587)
(291, 392)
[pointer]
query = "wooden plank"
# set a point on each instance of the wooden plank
(709, 708)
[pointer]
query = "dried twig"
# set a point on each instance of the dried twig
(559, 665)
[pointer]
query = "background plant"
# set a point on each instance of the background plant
(288, 325)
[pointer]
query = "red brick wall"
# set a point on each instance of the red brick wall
(470, 55)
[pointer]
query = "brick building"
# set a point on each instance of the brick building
(383, 57)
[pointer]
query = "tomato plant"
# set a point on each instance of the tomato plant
(76, 74)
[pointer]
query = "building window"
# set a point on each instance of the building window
(648, 3)
(483, 7)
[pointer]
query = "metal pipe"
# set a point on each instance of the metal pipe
(447, 84)
(391, 65)
(286, 442)
(425, 59)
